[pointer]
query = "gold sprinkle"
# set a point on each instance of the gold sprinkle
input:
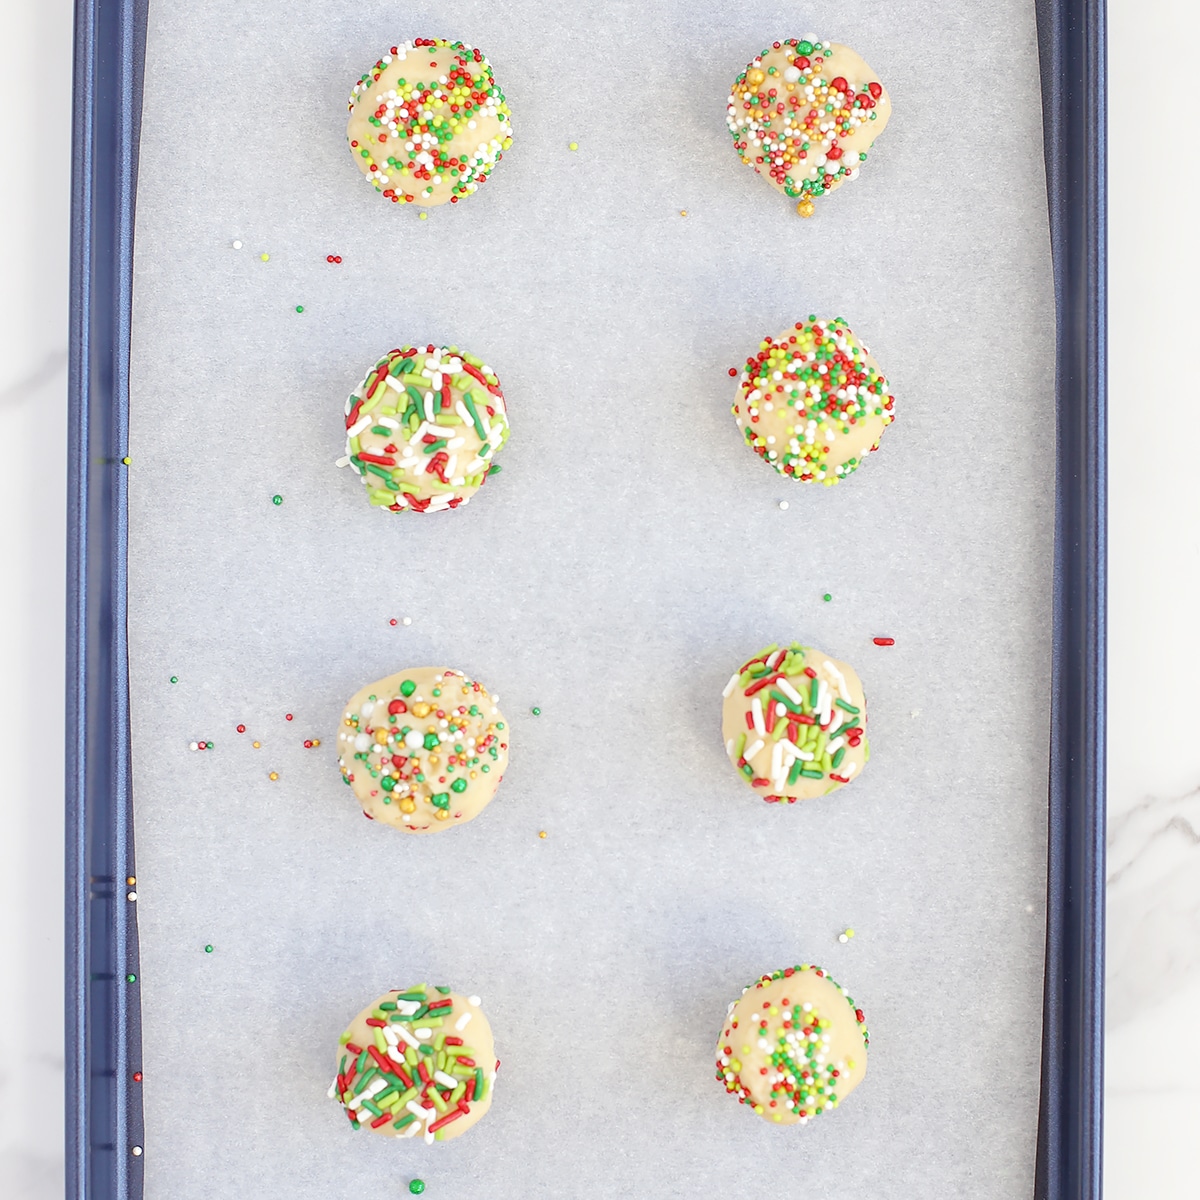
(683, 212)
(256, 745)
(273, 775)
(541, 833)
(131, 880)
(805, 208)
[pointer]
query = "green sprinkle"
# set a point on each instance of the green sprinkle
(208, 949)
(537, 712)
(174, 678)
(827, 597)
(299, 307)
(415, 1186)
(406, 689)
(277, 500)
(131, 979)
(848, 707)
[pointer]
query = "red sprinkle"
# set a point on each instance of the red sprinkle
(241, 729)
(137, 1077)
(884, 641)
(452, 1115)
(392, 621)
(733, 372)
(287, 716)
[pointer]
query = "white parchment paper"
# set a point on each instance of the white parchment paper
(629, 556)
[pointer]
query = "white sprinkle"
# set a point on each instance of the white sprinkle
(757, 714)
(752, 750)
(406, 621)
(789, 691)
(237, 245)
(344, 461)
(475, 1001)
(462, 1022)
(332, 1089)
(445, 1080)
(358, 426)
(424, 1032)
(783, 504)
(408, 1037)
(730, 685)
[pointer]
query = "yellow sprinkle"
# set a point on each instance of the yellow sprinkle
(541, 833)
(683, 212)
(424, 216)
(573, 146)
(127, 460)
(131, 880)
(273, 775)
(256, 745)
(265, 256)
(316, 741)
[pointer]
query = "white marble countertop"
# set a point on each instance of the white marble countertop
(1153, 1044)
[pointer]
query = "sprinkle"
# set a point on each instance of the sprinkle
(131, 880)
(131, 896)
(273, 776)
(277, 500)
(256, 745)
(573, 146)
(424, 216)
(237, 245)
(127, 460)
(174, 678)
(333, 258)
(137, 1152)
(845, 935)
(541, 833)
(265, 257)
(137, 1077)
(241, 729)
(827, 597)
(287, 716)
(299, 308)
(416, 1186)
(131, 979)
(208, 949)
(406, 621)
(392, 621)
(537, 712)
(783, 504)
(683, 212)
(884, 641)
(733, 372)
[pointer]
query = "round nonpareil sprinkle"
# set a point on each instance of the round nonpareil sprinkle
(416, 1186)
(428, 124)
(795, 723)
(277, 500)
(423, 427)
(812, 403)
(793, 1046)
(804, 114)
(273, 775)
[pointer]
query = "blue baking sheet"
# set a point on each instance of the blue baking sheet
(104, 1123)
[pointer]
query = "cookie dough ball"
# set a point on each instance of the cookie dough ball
(795, 723)
(794, 1046)
(424, 750)
(804, 114)
(812, 403)
(423, 427)
(428, 123)
(417, 1062)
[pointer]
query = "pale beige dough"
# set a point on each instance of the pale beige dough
(781, 742)
(431, 722)
(428, 123)
(397, 1088)
(778, 114)
(793, 1047)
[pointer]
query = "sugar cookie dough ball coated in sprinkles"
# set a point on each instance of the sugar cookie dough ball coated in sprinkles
(417, 1063)
(424, 750)
(795, 723)
(428, 123)
(804, 114)
(793, 1047)
(423, 427)
(812, 403)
